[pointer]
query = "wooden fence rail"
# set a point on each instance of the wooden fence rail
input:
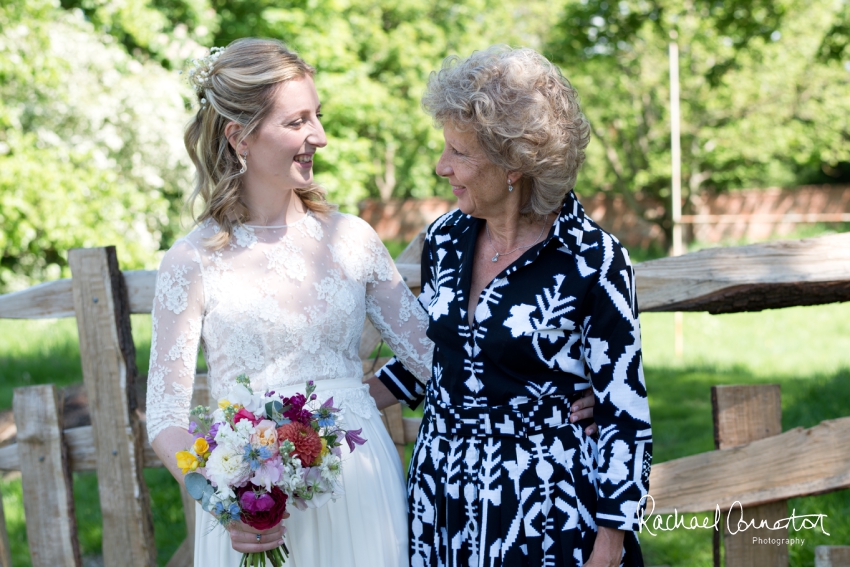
(747, 278)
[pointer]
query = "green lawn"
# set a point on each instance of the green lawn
(806, 350)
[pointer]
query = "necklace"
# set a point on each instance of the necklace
(496, 257)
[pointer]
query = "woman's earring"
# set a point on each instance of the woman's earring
(245, 164)
(510, 185)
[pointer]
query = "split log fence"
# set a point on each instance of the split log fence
(755, 463)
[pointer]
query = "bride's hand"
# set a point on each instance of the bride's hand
(244, 539)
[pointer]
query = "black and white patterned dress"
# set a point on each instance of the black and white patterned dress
(498, 476)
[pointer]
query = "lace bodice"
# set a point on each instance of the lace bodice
(282, 304)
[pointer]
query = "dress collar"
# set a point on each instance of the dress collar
(567, 228)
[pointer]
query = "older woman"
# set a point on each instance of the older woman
(530, 304)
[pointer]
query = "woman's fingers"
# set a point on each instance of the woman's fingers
(242, 527)
(246, 539)
(582, 408)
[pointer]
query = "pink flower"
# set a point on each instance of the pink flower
(253, 502)
(268, 474)
(245, 414)
(265, 434)
(264, 516)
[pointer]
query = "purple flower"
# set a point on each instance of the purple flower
(352, 437)
(252, 502)
(210, 437)
(296, 411)
(298, 401)
(329, 404)
(193, 427)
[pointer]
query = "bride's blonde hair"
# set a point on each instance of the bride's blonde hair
(237, 84)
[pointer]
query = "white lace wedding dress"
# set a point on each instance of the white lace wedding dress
(286, 304)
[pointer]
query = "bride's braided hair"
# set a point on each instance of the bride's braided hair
(236, 84)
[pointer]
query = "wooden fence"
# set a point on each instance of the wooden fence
(755, 463)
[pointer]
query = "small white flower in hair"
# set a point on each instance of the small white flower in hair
(199, 74)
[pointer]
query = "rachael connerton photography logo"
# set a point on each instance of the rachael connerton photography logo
(736, 522)
(778, 541)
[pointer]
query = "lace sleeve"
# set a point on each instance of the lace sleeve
(407, 387)
(391, 306)
(176, 330)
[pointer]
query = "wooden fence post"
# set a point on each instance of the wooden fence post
(5, 550)
(45, 478)
(109, 371)
(185, 554)
(743, 414)
(832, 556)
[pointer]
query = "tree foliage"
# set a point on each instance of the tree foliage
(760, 104)
(373, 60)
(92, 110)
(90, 145)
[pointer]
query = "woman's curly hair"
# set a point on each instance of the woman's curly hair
(525, 114)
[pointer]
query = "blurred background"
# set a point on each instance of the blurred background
(92, 111)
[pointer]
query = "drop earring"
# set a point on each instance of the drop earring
(245, 164)
(510, 185)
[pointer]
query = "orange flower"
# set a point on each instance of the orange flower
(308, 444)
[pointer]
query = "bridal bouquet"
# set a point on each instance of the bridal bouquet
(258, 452)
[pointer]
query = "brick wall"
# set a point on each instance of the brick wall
(750, 214)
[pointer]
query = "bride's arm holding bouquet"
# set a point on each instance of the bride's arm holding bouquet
(176, 322)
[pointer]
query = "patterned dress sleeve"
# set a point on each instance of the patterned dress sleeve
(611, 342)
(407, 387)
(176, 322)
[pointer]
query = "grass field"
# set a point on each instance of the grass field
(806, 350)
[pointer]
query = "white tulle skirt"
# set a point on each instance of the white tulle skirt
(366, 527)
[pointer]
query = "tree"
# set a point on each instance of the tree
(90, 145)
(760, 104)
(373, 60)
(166, 31)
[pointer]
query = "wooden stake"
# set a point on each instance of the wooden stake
(46, 478)
(832, 556)
(109, 370)
(743, 414)
(676, 177)
(5, 550)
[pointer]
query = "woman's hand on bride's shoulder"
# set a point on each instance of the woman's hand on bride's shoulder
(244, 538)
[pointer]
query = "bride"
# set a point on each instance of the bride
(276, 284)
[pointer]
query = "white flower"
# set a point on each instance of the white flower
(235, 440)
(330, 467)
(227, 467)
(245, 429)
(292, 479)
(243, 396)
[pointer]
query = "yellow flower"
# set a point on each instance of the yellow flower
(325, 450)
(222, 403)
(186, 460)
(201, 446)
